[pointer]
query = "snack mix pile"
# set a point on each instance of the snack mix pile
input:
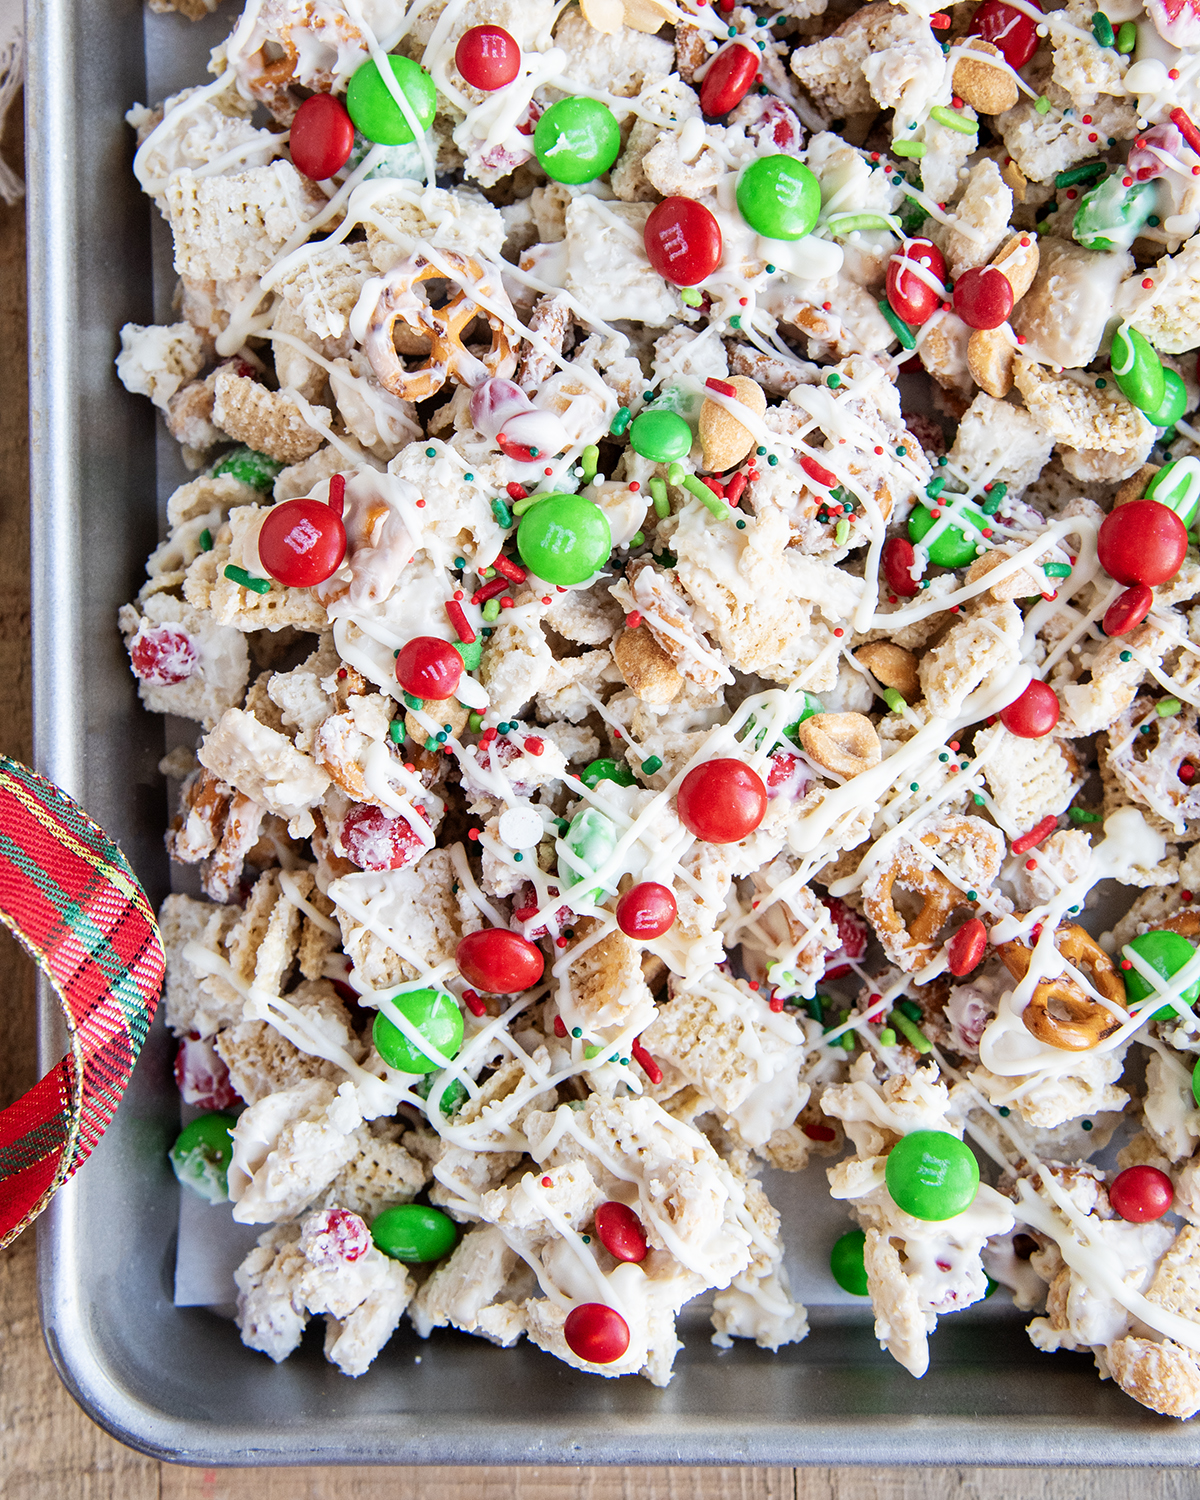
(686, 595)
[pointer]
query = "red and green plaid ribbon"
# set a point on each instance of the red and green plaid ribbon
(67, 893)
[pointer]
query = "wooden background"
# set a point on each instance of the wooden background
(50, 1451)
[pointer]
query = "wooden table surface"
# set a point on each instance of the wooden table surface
(50, 1451)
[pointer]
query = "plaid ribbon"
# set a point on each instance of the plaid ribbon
(69, 897)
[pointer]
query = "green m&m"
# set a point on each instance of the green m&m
(812, 705)
(375, 112)
(1165, 953)
(953, 547)
(779, 197)
(435, 1015)
(932, 1175)
(846, 1263)
(1177, 486)
(564, 539)
(661, 436)
(1110, 217)
(606, 770)
(202, 1154)
(577, 140)
(1196, 1081)
(453, 1095)
(249, 467)
(414, 1232)
(1174, 402)
(591, 838)
(1138, 370)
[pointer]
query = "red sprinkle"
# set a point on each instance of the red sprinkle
(534, 745)
(462, 626)
(509, 569)
(634, 486)
(815, 471)
(1185, 895)
(839, 632)
(1187, 772)
(547, 1182)
(489, 590)
(1087, 119)
(560, 1026)
(821, 1132)
(506, 603)
(733, 490)
(1186, 129)
(722, 387)
(474, 1004)
(337, 494)
(1127, 963)
(1147, 283)
(775, 1003)
(1035, 836)
(633, 619)
(1031, 864)
(517, 491)
(1172, 72)
(647, 1064)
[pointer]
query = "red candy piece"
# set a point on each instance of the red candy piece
(202, 1077)
(898, 558)
(620, 1231)
(596, 1333)
(983, 297)
(322, 137)
(721, 801)
(1033, 714)
(428, 667)
(1011, 30)
(777, 128)
(966, 948)
(683, 241)
(301, 543)
(728, 79)
(334, 1235)
(913, 299)
(163, 655)
(1128, 609)
(1140, 1194)
(488, 57)
(499, 962)
(852, 930)
(376, 842)
(647, 910)
(1142, 542)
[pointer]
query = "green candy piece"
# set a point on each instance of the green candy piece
(932, 1175)
(660, 436)
(846, 1263)
(1174, 402)
(377, 115)
(953, 547)
(1138, 370)
(674, 398)
(1177, 486)
(392, 161)
(779, 197)
(1196, 1081)
(1110, 217)
(454, 1095)
(591, 838)
(606, 770)
(564, 539)
(471, 653)
(811, 706)
(251, 468)
(202, 1154)
(414, 1232)
(1166, 953)
(577, 140)
(435, 1016)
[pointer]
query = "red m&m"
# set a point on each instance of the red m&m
(1033, 714)
(596, 1333)
(301, 543)
(728, 79)
(647, 910)
(620, 1231)
(683, 241)
(966, 948)
(499, 962)
(1142, 542)
(1140, 1194)
(1007, 28)
(322, 137)
(983, 297)
(428, 667)
(899, 555)
(488, 57)
(909, 295)
(1128, 609)
(721, 801)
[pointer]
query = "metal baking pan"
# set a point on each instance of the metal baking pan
(176, 1382)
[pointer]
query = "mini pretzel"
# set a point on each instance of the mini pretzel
(445, 326)
(1087, 1022)
(846, 744)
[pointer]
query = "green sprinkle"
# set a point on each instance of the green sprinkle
(650, 766)
(637, 538)
(486, 574)
(468, 478)
(1168, 708)
(690, 296)
(431, 743)
(471, 653)
(414, 702)
(898, 326)
(621, 421)
(517, 857)
(842, 533)
(1087, 1124)
(440, 736)
(990, 503)
(914, 786)
(491, 610)
(475, 723)
(1081, 815)
(502, 513)
(396, 731)
(1057, 570)
(909, 148)
(741, 525)
(658, 493)
(833, 381)
(736, 321)
(979, 799)
(576, 1032)
(697, 487)
(952, 120)
(431, 453)
(887, 1037)
(910, 1032)
(1042, 106)
(943, 756)
(521, 506)
(1102, 29)
(935, 487)
(460, 563)
(247, 580)
(206, 540)
(770, 269)
(1126, 655)
(1126, 38)
(1004, 1110)
(901, 452)
(972, 895)
(815, 1007)
(1082, 173)
(760, 451)
(910, 1008)
(772, 459)
(589, 458)
(894, 700)
(843, 224)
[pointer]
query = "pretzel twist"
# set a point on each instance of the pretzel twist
(1087, 1022)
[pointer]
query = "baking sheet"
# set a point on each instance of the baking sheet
(176, 1382)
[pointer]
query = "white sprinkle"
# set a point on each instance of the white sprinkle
(521, 827)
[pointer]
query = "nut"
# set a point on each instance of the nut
(645, 15)
(985, 87)
(605, 16)
(725, 441)
(1012, 175)
(443, 711)
(893, 666)
(646, 667)
(1135, 486)
(1019, 262)
(991, 355)
(845, 744)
